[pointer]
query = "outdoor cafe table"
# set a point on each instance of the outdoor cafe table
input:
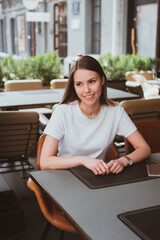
(93, 212)
(38, 98)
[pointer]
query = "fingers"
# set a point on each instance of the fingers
(115, 166)
(101, 168)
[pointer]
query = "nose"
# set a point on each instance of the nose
(86, 88)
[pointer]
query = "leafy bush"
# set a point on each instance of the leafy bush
(115, 67)
(44, 67)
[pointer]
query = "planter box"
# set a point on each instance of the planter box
(117, 84)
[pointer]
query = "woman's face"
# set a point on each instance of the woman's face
(88, 86)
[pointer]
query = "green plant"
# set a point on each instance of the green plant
(115, 67)
(45, 67)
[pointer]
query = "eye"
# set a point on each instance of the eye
(92, 81)
(78, 83)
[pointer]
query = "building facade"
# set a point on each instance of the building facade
(79, 27)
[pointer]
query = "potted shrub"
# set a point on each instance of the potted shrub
(116, 67)
(45, 67)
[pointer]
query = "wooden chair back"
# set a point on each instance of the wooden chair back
(142, 109)
(39, 149)
(18, 133)
(150, 130)
(112, 153)
(22, 84)
(146, 74)
(58, 83)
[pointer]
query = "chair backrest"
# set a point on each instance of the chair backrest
(112, 153)
(150, 130)
(39, 149)
(141, 109)
(134, 87)
(18, 133)
(146, 74)
(24, 84)
(58, 83)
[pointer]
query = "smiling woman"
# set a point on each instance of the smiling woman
(83, 127)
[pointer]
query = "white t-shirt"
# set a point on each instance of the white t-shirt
(79, 136)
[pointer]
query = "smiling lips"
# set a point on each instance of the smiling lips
(89, 96)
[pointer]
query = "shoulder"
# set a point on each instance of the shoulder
(63, 108)
(113, 109)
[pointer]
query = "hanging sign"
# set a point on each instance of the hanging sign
(30, 4)
(38, 17)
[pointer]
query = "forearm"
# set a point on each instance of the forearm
(136, 156)
(54, 162)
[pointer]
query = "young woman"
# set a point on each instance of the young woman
(84, 125)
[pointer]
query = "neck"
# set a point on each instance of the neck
(90, 111)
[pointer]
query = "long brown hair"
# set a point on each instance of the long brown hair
(89, 63)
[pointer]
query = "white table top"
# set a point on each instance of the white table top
(93, 212)
(21, 99)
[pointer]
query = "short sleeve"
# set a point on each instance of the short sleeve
(125, 127)
(55, 126)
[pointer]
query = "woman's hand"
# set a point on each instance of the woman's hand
(98, 167)
(116, 166)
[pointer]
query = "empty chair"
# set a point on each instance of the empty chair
(130, 76)
(150, 130)
(26, 84)
(141, 109)
(20, 85)
(18, 139)
(58, 83)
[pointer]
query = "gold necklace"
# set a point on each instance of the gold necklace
(87, 116)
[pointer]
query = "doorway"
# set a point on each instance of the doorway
(142, 26)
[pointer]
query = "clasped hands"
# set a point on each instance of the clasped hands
(99, 167)
(114, 166)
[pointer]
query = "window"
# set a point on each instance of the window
(96, 26)
(60, 29)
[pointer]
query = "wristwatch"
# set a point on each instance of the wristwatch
(129, 160)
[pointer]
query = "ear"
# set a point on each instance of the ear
(103, 80)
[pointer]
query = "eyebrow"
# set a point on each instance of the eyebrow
(93, 78)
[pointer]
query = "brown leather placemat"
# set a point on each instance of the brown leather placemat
(134, 173)
(144, 222)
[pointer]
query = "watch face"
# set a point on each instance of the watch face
(130, 161)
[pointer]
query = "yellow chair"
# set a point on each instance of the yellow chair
(58, 83)
(22, 84)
